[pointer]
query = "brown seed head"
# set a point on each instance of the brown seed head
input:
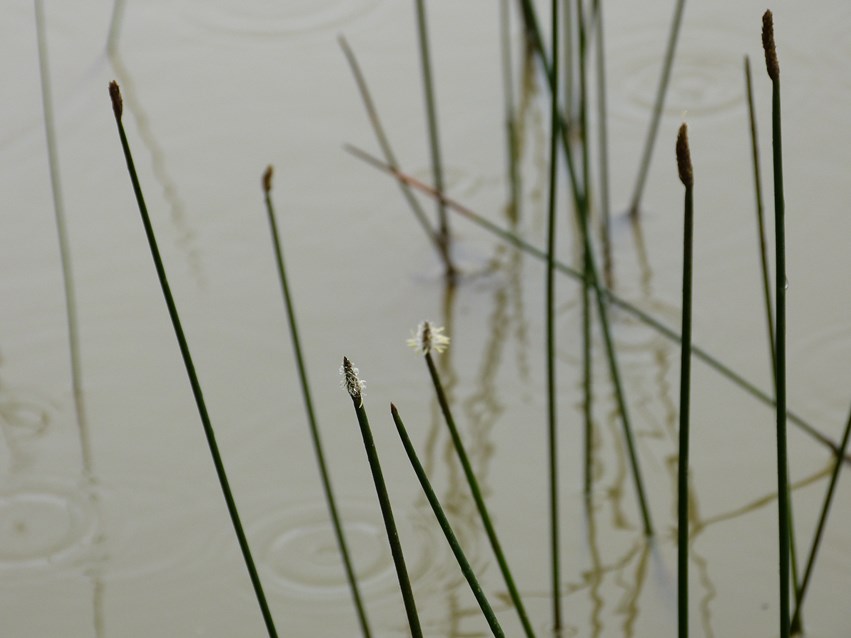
(771, 63)
(267, 179)
(117, 102)
(684, 157)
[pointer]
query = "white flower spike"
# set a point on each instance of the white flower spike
(428, 338)
(352, 382)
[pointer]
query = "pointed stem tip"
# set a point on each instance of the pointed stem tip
(771, 63)
(267, 179)
(117, 102)
(684, 157)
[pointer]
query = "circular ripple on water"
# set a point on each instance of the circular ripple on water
(274, 18)
(706, 79)
(44, 524)
(298, 547)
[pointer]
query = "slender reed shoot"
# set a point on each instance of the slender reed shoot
(552, 417)
(117, 108)
(661, 91)
(828, 500)
(773, 68)
(687, 178)
(457, 550)
(308, 406)
(354, 385)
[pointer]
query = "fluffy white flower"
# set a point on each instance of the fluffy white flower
(428, 338)
(353, 384)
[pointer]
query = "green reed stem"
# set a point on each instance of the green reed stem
(115, 94)
(687, 178)
(384, 142)
(773, 69)
(828, 500)
(308, 406)
(603, 143)
(477, 497)
(661, 91)
(609, 296)
(763, 246)
(766, 287)
(434, 138)
(353, 386)
(510, 111)
(552, 417)
(466, 569)
(61, 228)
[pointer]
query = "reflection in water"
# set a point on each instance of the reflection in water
(185, 236)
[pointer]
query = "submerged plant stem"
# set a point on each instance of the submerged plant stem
(115, 94)
(308, 406)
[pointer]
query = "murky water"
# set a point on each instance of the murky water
(118, 528)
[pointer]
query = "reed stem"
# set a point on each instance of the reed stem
(457, 550)
(687, 178)
(115, 94)
(308, 406)
(828, 500)
(552, 417)
(661, 91)
(434, 139)
(354, 386)
(773, 69)
(477, 497)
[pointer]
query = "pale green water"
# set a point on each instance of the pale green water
(124, 532)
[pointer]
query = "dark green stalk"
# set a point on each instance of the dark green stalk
(652, 130)
(763, 251)
(61, 229)
(773, 69)
(603, 141)
(477, 497)
(434, 138)
(308, 406)
(384, 142)
(766, 287)
(115, 94)
(687, 178)
(608, 296)
(828, 500)
(354, 386)
(552, 418)
(466, 569)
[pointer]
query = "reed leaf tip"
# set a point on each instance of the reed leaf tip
(684, 157)
(428, 338)
(267, 179)
(352, 382)
(771, 63)
(117, 102)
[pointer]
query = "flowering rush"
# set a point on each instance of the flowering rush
(353, 384)
(428, 338)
